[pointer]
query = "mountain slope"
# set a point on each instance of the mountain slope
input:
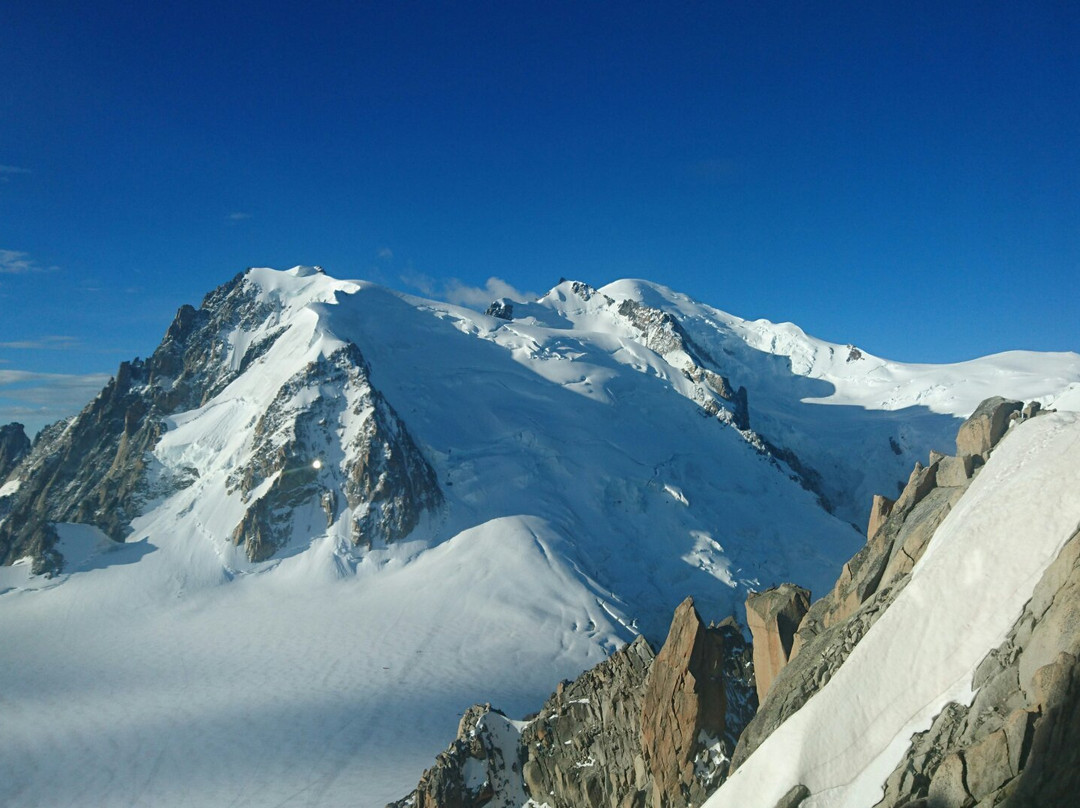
(924, 650)
(348, 513)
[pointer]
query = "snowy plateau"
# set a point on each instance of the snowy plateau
(273, 564)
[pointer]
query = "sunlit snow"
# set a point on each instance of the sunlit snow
(586, 493)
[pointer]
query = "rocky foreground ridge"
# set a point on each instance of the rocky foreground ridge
(647, 730)
(640, 729)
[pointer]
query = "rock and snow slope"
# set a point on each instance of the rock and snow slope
(349, 513)
(963, 597)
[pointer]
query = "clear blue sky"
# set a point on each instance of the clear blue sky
(903, 176)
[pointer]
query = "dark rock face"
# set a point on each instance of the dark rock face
(639, 730)
(664, 334)
(584, 746)
(93, 468)
(473, 771)
(387, 482)
(14, 446)
(503, 309)
(797, 795)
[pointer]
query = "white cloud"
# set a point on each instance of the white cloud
(455, 291)
(49, 342)
(7, 172)
(13, 262)
(38, 399)
(384, 254)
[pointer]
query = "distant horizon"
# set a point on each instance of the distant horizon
(903, 179)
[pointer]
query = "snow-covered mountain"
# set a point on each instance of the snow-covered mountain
(347, 513)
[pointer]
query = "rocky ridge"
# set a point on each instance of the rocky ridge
(14, 446)
(639, 730)
(868, 583)
(1017, 743)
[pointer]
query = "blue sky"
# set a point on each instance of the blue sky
(905, 177)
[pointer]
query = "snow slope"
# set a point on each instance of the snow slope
(923, 651)
(859, 420)
(586, 491)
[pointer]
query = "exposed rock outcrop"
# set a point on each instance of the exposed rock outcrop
(985, 427)
(94, 468)
(664, 334)
(475, 770)
(1018, 743)
(14, 446)
(879, 512)
(385, 480)
(503, 309)
(684, 710)
(867, 585)
(773, 617)
(584, 746)
(639, 730)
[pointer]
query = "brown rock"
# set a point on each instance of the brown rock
(988, 764)
(921, 482)
(773, 617)
(684, 700)
(955, 471)
(794, 798)
(879, 512)
(947, 788)
(985, 427)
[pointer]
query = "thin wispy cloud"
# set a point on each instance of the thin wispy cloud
(238, 216)
(455, 291)
(384, 254)
(7, 172)
(14, 262)
(49, 342)
(37, 399)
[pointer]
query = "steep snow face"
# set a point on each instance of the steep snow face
(922, 653)
(857, 420)
(598, 435)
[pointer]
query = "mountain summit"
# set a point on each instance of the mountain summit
(323, 514)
